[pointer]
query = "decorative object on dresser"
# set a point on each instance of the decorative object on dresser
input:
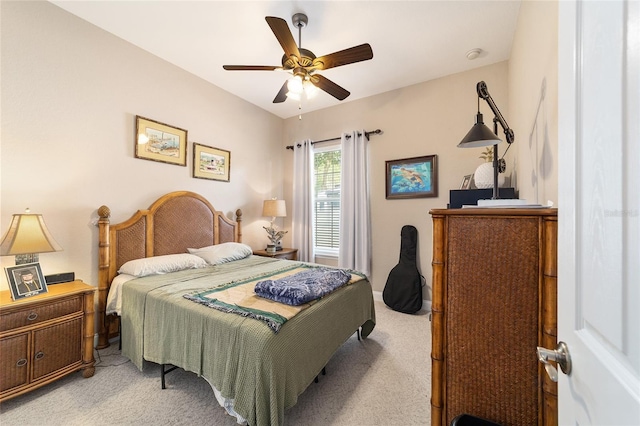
(466, 182)
(161, 142)
(45, 337)
(494, 302)
(481, 136)
(274, 208)
(285, 253)
(27, 236)
(415, 177)
(211, 163)
(483, 176)
(25, 280)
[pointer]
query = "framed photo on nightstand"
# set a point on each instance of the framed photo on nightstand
(25, 280)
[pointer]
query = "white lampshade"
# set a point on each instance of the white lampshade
(294, 85)
(310, 89)
(274, 208)
(27, 234)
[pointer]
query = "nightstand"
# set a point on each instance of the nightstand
(285, 253)
(45, 337)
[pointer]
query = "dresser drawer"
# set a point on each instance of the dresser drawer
(35, 314)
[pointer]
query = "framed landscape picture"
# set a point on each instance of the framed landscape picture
(157, 141)
(211, 163)
(415, 177)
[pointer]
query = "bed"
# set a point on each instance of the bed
(256, 373)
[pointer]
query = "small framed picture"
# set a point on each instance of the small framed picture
(466, 182)
(415, 177)
(25, 280)
(161, 142)
(211, 163)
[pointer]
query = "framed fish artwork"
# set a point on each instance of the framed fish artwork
(415, 177)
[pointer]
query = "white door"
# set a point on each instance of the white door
(599, 211)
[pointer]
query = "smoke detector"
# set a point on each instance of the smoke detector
(473, 53)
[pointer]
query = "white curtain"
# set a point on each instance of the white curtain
(302, 218)
(355, 218)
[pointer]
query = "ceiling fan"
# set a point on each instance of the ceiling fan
(303, 64)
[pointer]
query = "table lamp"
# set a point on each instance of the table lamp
(274, 208)
(480, 135)
(27, 236)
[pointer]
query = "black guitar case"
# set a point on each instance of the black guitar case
(403, 290)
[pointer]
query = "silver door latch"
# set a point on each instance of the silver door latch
(560, 355)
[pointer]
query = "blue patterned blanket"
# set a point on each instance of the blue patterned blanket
(302, 287)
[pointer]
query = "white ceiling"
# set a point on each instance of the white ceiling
(412, 41)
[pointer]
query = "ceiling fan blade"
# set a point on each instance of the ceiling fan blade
(250, 67)
(282, 94)
(281, 30)
(330, 87)
(344, 57)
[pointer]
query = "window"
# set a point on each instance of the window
(326, 197)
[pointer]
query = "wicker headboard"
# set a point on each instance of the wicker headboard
(173, 223)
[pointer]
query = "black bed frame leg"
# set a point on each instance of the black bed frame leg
(324, 373)
(358, 333)
(163, 372)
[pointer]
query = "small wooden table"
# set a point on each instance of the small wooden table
(45, 337)
(285, 253)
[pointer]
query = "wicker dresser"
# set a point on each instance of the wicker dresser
(45, 337)
(494, 301)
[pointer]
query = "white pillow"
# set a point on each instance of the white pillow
(222, 253)
(161, 264)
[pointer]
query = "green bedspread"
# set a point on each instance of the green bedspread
(262, 372)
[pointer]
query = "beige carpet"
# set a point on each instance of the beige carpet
(382, 380)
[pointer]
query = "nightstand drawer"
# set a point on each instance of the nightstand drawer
(34, 314)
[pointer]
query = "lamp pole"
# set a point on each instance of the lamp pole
(495, 162)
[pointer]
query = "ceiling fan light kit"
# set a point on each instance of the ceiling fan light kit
(304, 64)
(294, 85)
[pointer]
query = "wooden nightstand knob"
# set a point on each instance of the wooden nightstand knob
(21, 362)
(39, 355)
(32, 316)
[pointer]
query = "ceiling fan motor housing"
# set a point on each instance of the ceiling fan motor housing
(305, 60)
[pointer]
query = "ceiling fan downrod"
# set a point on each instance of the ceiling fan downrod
(300, 20)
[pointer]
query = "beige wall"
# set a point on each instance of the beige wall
(432, 117)
(533, 100)
(424, 119)
(70, 93)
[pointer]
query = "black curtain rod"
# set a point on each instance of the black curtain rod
(366, 134)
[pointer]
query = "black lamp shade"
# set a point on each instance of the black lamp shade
(479, 136)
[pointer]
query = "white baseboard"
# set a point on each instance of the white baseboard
(426, 304)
